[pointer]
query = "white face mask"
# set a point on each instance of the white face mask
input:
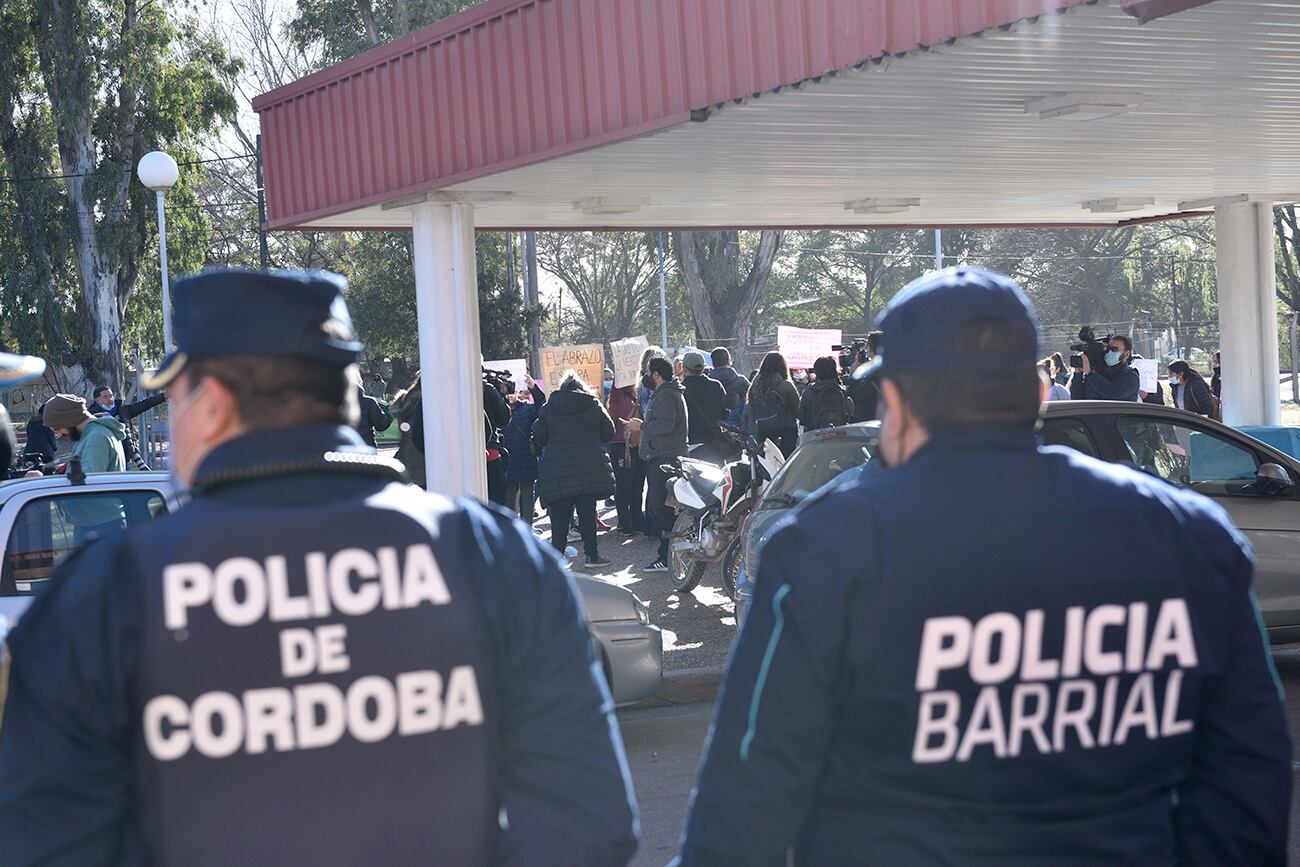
(1175, 379)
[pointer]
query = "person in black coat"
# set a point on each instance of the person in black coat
(570, 435)
(1190, 390)
(825, 403)
(706, 405)
(374, 417)
(521, 467)
(40, 439)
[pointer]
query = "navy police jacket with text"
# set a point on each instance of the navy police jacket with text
(311, 666)
(935, 671)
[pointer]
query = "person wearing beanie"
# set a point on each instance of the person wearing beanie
(97, 440)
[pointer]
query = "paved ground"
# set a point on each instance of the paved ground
(698, 626)
(664, 746)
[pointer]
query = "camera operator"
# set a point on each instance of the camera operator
(864, 393)
(1116, 380)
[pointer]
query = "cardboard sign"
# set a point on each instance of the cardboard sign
(517, 367)
(627, 360)
(803, 346)
(587, 360)
(1148, 372)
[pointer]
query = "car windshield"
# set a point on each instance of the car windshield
(812, 466)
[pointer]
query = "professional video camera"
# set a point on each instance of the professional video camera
(1090, 345)
(851, 354)
(501, 380)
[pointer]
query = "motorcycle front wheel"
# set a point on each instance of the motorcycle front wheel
(684, 572)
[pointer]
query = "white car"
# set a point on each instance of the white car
(37, 533)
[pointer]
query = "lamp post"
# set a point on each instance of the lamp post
(158, 172)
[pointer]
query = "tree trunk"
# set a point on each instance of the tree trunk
(722, 299)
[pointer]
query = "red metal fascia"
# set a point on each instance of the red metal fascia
(1150, 10)
(515, 82)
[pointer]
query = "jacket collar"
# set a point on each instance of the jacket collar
(291, 451)
(992, 437)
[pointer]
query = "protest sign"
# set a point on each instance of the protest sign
(588, 360)
(803, 346)
(516, 367)
(627, 360)
(1148, 371)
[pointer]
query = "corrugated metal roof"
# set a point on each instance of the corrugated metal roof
(510, 83)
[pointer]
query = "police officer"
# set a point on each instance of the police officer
(312, 662)
(14, 371)
(934, 672)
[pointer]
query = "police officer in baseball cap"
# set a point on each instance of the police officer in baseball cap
(312, 662)
(991, 652)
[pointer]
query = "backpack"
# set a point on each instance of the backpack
(832, 409)
(766, 415)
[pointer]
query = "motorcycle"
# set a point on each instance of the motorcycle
(712, 503)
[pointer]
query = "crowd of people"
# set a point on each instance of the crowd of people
(585, 443)
(1119, 379)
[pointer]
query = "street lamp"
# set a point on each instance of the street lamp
(158, 172)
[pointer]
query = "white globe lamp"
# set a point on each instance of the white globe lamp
(159, 172)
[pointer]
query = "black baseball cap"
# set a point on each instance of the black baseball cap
(921, 323)
(227, 312)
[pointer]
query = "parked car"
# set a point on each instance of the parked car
(821, 457)
(1255, 483)
(38, 529)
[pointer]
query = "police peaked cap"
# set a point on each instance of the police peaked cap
(227, 312)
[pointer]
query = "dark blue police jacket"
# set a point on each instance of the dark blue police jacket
(999, 654)
(311, 667)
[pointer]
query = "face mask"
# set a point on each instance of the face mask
(1112, 358)
(609, 383)
(1175, 380)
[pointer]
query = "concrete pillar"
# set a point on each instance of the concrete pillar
(1247, 312)
(446, 295)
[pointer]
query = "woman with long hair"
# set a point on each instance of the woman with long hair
(772, 409)
(1191, 391)
(570, 435)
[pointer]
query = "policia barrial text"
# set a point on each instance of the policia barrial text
(1033, 696)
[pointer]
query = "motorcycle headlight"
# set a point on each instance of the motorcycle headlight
(642, 613)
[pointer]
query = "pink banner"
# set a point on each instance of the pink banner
(803, 346)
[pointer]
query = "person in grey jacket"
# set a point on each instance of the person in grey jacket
(663, 441)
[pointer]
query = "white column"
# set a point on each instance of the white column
(1247, 312)
(446, 295)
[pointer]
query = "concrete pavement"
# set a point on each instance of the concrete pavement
(664, 745)
(663, 749)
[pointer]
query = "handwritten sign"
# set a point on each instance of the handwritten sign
(803, 346)
(1148, 370)
(627, 360)
(587, 360)
(516, 367)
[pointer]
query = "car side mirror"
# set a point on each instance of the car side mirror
(1273, 479)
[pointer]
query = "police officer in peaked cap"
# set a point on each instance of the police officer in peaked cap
(312, 662)
(994, 653)
(14, 371)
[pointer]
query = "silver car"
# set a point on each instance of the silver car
(1256, 484)
(834, 454)
(37, 526)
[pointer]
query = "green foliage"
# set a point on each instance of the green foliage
(342, 28)
(86, 88)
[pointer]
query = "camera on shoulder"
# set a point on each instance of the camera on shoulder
(1091, 346)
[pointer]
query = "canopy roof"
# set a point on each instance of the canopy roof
(793, 113)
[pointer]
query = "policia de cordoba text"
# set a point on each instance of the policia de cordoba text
(354, 582)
